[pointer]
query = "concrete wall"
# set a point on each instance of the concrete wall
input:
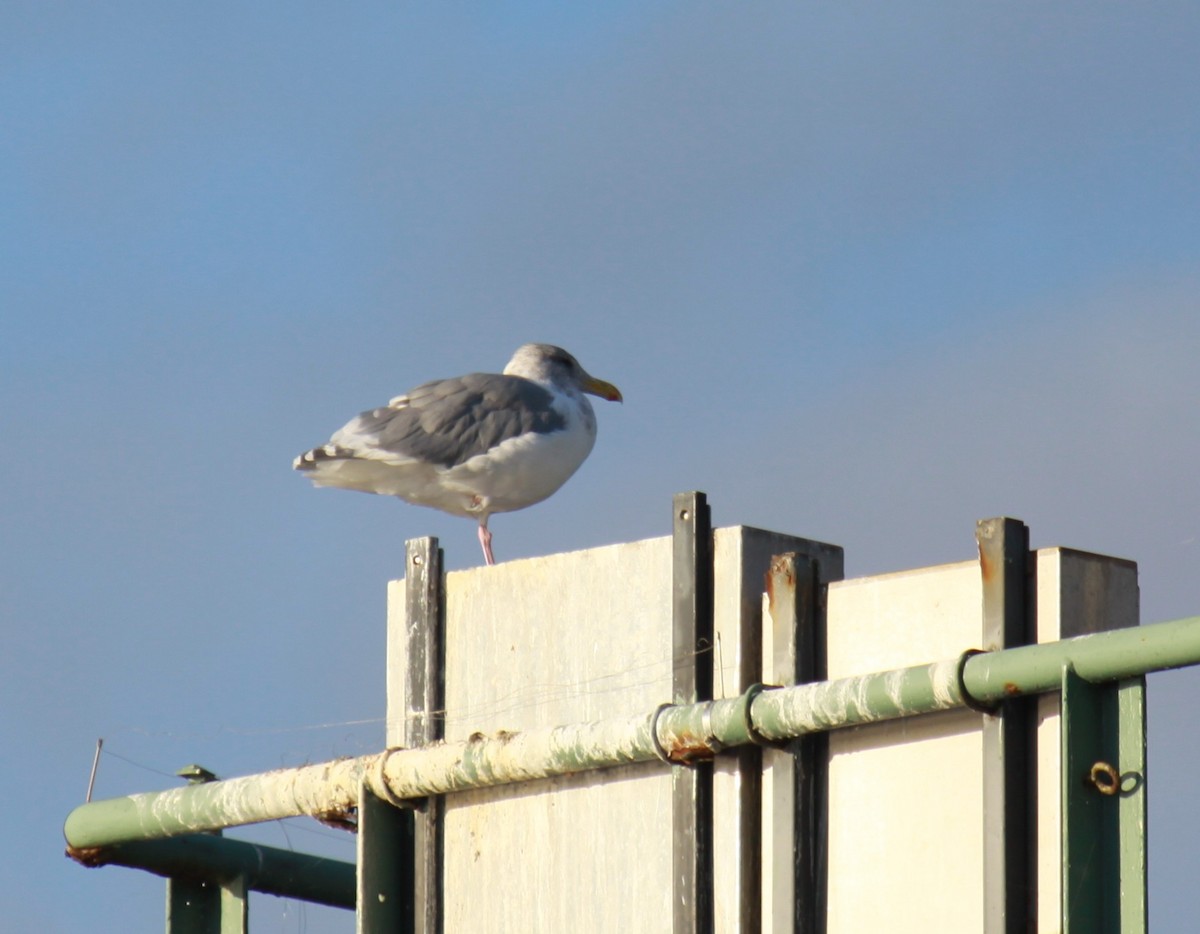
(581, 636)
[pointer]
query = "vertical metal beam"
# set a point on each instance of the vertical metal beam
(204, 905)
(748, 784)
(385, 866)
(799, 770)
(235, 906)
(1090, 882)
(193, 906)
(1010, 855)
(767, 775)
(692, 645)
(1103, 806)
(1131, 804)
(424, 716)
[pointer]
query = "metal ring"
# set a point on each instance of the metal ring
(659, 750)
(960, 673)
(711, 742)
(748, 720)
(381, 788)
(1105, 778)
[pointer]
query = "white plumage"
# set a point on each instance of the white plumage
(472, 445)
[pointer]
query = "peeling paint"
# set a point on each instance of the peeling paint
(441, 768)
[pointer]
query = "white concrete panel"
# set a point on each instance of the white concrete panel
(587, 635)
(905, 798)
(563, 639)
(535, 643)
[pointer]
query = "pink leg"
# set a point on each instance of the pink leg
(485, 539)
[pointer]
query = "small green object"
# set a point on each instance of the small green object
(196, 774)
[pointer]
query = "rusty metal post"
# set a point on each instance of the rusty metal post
(795, 587)
(1009, 759)
(692, 644)
(424, 721)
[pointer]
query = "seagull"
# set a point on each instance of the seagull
(471, 445)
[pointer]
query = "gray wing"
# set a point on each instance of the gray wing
(449, 421)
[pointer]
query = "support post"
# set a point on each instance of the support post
(198, 905)
(799, 769)
(193, 906)
(424, 721)
(692, 645)
(385, 866)
(1009, 854)
(1131, 739)
(1103, 806)
(205, 906)
(235, 906)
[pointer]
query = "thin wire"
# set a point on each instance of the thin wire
(117, 755)
(534, 695)
(721, 664)
(260, 731)
(527, 696)
(95, 765)
(314, 831)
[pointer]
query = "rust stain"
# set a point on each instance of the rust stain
(90, 856)
(688, 750)
(1011, 689)
(780, 566)
(339, 819)
(689, 754)
(986, 566)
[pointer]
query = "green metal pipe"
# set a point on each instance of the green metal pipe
(219, 859)
(988, 677)
(830, 705)
(1104, 656)
(680, 733)
(330, 788)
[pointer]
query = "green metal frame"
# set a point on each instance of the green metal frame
(219, 860)
(1103, 806)
(1103, 711)
(387, 882)
(770, 714)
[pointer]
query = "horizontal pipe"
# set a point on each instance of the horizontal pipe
(679, 732)
(1103, 656)
(330, 788)
(219, 859)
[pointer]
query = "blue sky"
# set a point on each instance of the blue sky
(864, 274)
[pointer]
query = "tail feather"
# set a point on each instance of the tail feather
(326, 452)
